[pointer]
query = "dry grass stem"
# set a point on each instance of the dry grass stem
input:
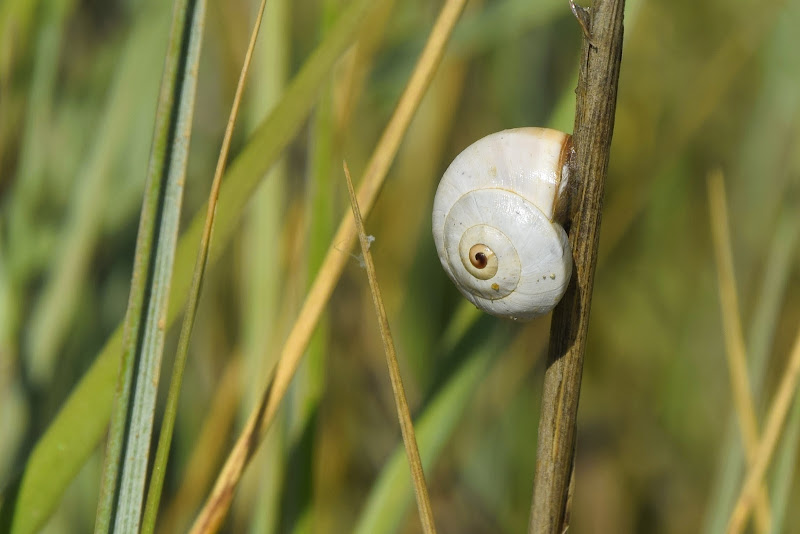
(594, 124)
(766, 447)
(734, 338)
(403, 412)
(217, 504)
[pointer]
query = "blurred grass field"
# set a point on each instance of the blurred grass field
(703, 86)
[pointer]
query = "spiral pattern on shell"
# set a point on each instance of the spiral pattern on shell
(495, 222)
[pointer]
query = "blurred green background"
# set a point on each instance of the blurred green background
(703, 85)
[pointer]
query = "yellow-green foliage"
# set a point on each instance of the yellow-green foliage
(703, 86)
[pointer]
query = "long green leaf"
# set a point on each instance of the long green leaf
(182, 352)
(80, 424)
(121, 498)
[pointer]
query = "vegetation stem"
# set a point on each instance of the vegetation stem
(734, 337)
(403, 412)
(776, 416)
(594, 125)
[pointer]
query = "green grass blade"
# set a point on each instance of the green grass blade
(80, 424)
(762, 332)
(160, 463)
(760, 155)
(61, 452)
(171, 409)
(779, 264)
(143, 345)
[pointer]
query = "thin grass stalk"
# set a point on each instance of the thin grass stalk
(129, 437)
(465, 335)
(171, 410)
(760, 154)
(783, 251)
(83, 419)
(734, 337)
(403, 411)
(594, 124)
(218, 502)
(392, 493)
(778, 267)
(776, 416)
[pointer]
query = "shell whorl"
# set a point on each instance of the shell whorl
(494, 222)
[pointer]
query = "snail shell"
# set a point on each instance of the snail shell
(495, 222)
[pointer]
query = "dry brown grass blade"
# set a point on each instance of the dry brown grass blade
(734, 338)
(403, 412)
(596, 98)
(766, 447)
(217, 504)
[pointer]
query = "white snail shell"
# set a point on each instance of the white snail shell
(495, 222)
